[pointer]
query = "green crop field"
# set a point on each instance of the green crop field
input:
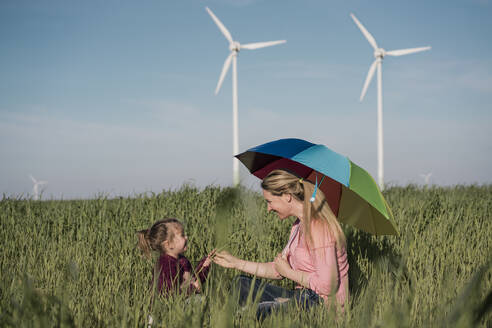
(73, 263)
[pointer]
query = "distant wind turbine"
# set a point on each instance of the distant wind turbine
(234, 47)
(426, 178)
(379, 54)
(35, 190)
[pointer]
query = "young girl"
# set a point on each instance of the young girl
(174, 271)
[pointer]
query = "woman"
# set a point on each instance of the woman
(315, 257)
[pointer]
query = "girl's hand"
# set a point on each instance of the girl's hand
(189, 280)
(281, 264)
(226, 260)
(208, 260)
(195, 283)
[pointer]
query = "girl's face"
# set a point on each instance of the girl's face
(179, 242)
(279, 204)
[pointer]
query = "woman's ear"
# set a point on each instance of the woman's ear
(287, 197)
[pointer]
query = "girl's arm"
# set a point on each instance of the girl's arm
(201, 270)
(263, 270)
(189, 282)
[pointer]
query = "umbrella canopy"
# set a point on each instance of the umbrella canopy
(351, 192)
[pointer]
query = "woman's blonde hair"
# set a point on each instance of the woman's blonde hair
(279, 182)
(151, 239)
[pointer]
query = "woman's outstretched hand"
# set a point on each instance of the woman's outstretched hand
(281, 264)
(225, 259)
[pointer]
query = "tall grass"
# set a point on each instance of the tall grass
(74, 263)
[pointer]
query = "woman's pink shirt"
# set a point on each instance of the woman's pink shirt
(325, 263)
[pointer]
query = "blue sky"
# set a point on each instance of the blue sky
(117, 96)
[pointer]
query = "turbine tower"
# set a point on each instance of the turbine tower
(379, 54)
(426, 178)
(234, 47)
(35, 190)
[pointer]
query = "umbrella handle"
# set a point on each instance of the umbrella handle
(313, 197)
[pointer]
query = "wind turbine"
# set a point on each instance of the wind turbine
(35, 187)
(234, 47)
(426, 178)
(379, 54)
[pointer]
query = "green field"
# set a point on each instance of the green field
(74, 262)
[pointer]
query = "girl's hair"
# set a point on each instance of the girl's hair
(279, 182)
(151, 239)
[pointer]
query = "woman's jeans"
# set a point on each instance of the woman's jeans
(272, 297)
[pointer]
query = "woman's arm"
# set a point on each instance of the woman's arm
(283, 267)
(325, 278)
(263, 270)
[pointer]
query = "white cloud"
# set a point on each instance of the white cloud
(95, 156)
(457, 151)
(175, 142)
(301, 69)
(447, 75)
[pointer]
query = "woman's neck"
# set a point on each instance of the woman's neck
(298, 209)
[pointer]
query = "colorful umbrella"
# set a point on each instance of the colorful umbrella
(350, 191)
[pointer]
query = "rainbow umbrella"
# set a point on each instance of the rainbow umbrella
(351, 192)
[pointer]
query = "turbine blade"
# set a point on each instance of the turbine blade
(221, 26)
(372, 69)
(402, 52)
(225, 68)
(32, 178)
(366, 33)
(258, 45)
